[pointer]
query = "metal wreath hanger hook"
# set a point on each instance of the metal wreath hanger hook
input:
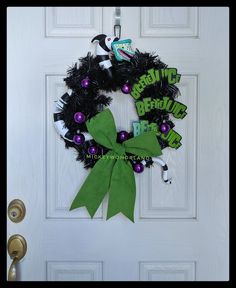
(117, 26)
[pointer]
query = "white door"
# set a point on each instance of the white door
(181, 230)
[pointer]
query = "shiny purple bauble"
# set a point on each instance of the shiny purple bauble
(138, 167)
(79, 139)
(85, 83)
(165, 128)
(79, 117)
(123, 136)
(126, 88)
(92, 150)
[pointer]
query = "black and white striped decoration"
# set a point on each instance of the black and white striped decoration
(164, 166)
(102, 51)
(59, 122)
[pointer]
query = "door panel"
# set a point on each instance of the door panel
(169, 22)
(181, 230)
(73, 21)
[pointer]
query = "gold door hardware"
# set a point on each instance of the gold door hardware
(17, 248)
(16, 210)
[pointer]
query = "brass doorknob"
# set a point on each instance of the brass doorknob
(16, 210)
(17, 247)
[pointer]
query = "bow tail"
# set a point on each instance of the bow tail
(95, 187)
(122, 190)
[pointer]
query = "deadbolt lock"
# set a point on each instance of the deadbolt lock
(16, 210)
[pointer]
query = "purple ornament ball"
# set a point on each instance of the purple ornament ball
(85, 82)
(79, 117)
(138, 167)
(165, 128)
(123, 136)
(126, 88)
(79, 139)
(92, 150)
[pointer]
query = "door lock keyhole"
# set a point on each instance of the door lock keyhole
(16, 210)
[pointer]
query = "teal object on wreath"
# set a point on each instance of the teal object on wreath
(122, 50)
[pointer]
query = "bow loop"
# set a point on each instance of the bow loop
(144, 145)
(102, 128)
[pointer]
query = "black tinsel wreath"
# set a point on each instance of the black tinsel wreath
(91, 100)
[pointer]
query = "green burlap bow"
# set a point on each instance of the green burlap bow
(113, 173)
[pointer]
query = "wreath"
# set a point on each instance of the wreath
(85, 123)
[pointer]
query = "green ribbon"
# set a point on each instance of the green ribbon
(113, 173)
